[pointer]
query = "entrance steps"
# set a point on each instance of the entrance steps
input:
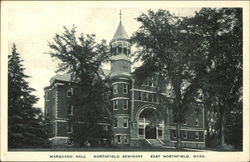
(155, 142)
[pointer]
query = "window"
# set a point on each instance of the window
(125, 122)
(140, 95)
(196, 122)
(125, 139)
(185, 135)
(105, 127)
(114, 48)
(115, 105)
(153, 83)
(70, 109)
(150, 97)
(159, 132)
(54, 110)
(115, 89)
(129, 46)
(118, 138)
(54, 128)
(145, 96)
(125, 88)
(70, 92)
(115, 123)
(47, 96)
(141, 131)
(125, 104)
(69, 142)
(154, 98)
(69, 128)
(175, 135)
(185, 122)
(196, 135)
(119, 47)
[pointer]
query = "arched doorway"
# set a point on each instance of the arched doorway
(150, 132)
(150, 123)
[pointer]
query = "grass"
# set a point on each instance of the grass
(99, 149)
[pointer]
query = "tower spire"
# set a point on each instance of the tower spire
(120, 15)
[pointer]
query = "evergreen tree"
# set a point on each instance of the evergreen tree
(25, 123)
(82, 57)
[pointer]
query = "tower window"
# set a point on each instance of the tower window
(70, 109)
(125, 122)
(115, 123)
(115, 89)
(115, 104)
(119, 47)
(125, 104)
(125, 88)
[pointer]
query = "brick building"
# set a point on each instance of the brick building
(139, 117)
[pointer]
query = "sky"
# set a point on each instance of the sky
(31, 27)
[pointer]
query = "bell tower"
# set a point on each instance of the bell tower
(120, 49)
(120, 76)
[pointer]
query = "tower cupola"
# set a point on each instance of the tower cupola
(120, 49)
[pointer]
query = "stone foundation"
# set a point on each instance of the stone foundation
(60, 141)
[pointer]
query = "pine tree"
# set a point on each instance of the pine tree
(25, 123)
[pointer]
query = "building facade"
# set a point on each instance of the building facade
(139, 116)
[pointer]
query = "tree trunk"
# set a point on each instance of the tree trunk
(222, 138)
(178, 133)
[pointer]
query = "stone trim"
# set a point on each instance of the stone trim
(58, 137)
(120, 98)
(119, 83)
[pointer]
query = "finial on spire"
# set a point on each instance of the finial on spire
(120, 15)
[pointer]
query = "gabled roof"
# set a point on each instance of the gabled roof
(64, 77)
(120, 32)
